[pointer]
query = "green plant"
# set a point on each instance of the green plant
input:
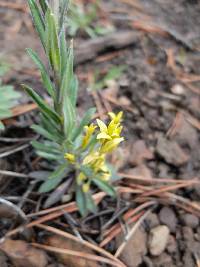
(8, 96)
(82, 19)
(78, 147)
(114, 73)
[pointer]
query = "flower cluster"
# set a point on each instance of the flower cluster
(106, 140)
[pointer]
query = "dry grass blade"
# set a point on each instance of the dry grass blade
(169, 188)
(83, 242)
(150, 180)
(146, 27)
(54, 213)
(77, 254)
(69, 207)
(130, 234)
(116, 229)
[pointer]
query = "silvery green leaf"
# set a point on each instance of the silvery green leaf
(67, 76)
(81, 201)
(43, 106)
(54, 179)
(69, 116)
(53, 41)
(104, 186)
(45, 77)
(38, 20)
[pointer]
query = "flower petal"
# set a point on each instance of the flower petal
(103, 136)
(102, 126)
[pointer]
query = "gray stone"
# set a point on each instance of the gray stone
(171, 152)
(152, 220)
(168, 217)
(190, 220)
(158, 239)
(135, 249)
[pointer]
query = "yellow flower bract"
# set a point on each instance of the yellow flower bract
(108, 138)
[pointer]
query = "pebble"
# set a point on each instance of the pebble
(163, 260)
(135, 249)
(158, 239)
(168, 217)
(172, 245)
(190, 220)
(171, 152)
(188, 234)
(178, 89)
(152, 220)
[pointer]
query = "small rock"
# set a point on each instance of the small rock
(190, 220)
(188, 234)
(171, 152)
(186, 134)
(68, 260)
(134, 250)
(172, 245)
(163, 260)
(152, 220)
(163, 170)
(178, 89)
(141, 170)
(124, 101)
(188, 260)
(23, 254)
(158, 239)
(168, 217)
(139, 153)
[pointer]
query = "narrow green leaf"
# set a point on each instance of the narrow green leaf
(48, 155)
(67, 76)
(45, 77)
(44, 5)
(63, 51)
(40, 130)
(5, 113)
(90, 205)
(85, 121)
(104, 186)
(54, 179)
(81, 201)
(46, 148)
(44, 108)
(73, 92)
(38, 20)
(69, 117)
(63, 9)
(50, 126)
(54, 51)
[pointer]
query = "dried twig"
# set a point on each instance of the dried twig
(80, 254)
(130, 234)
(12, 151)
(83, 242)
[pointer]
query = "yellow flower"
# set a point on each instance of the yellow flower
(86, 187)
(116, 118)
(109, 146)
(114, 128)
(89, 131)
(70, 157)
(81, 178)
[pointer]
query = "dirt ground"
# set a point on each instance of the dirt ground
(160, 96)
